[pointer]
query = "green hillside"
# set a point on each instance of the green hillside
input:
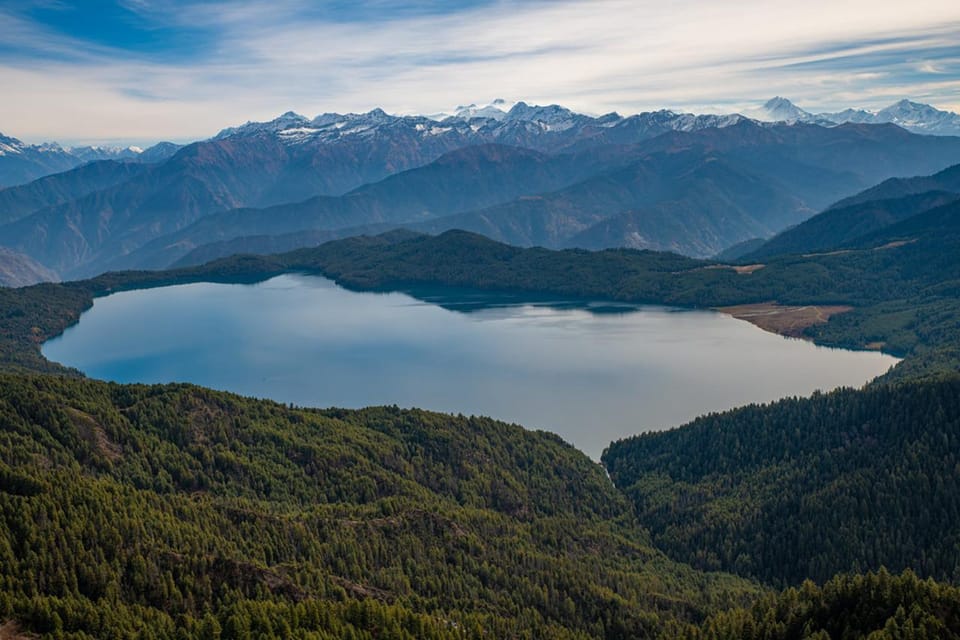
(807, 488)
(128, 507)
(174, 511)
(871, 607)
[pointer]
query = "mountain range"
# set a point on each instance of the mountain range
(527, 175)
(176, 511)
(871, 216)
(912, 116)
(20, 163)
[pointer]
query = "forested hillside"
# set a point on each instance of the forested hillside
(903, 293)
(807, 488)
(177, 510)
(127, 507)
(871, 607)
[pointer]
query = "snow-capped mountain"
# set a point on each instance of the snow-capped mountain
(552, 117)
(20, 162)
(13, 146)
(912, 116)
(90, 153)
(496, 110)
(283, 122)
(859, 116)
(921, 118)
(544, 128)
(295, 173)
(780, 109)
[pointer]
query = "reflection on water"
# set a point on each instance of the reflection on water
(589, 371)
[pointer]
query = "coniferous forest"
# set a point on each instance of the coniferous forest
(305, 335)
(176, 511)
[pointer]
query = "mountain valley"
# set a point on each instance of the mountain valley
(529, 176)
(170, 510)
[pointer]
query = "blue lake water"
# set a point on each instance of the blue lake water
(591, 372)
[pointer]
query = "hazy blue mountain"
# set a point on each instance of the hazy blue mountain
(693, 192)
(736, 251)
(946, 180)
(197, 180)
(20, 163)
(20, 201)
(700, 192)
(873, 209)
(18, 270)
(159, 152)
(465, 179)
(838, 227)
(255, 171)
(690, 202)
(912, 116)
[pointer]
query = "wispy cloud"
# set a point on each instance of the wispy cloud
(185, 69)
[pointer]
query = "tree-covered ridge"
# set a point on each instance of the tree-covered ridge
(127, 508)
(806, 488)
(904, 292)
(876, 606)
(514, 549)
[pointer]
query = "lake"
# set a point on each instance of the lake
(590, 372)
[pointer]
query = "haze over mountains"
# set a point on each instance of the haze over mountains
(896, 210)
(20, 163)
(484, 529)
(912, 116)
(527, 175)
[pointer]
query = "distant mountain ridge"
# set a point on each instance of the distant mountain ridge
(520, 124)
(18, 270)
(693, 193)
(660, 180)
(912, 116)
(21, 163)
(544, 128)
(867, 218)
(495, 124)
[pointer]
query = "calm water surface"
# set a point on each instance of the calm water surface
(589, 372)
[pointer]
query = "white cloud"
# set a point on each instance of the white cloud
(596, 56)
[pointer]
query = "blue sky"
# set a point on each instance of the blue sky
(145, 70)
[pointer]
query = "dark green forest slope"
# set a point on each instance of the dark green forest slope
(806, 488)
(905, 295)
(127, 507)
(876, 606)
(172, 510)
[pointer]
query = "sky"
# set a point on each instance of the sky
(139, 71)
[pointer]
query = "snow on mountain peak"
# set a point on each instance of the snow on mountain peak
(913, 116)
(551, 117)
(548, 114)
(9, 145)
(492, 111)
(288, 120)
(920, 118)
(779, 109)
(494, 122)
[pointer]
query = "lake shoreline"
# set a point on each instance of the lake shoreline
(591, 371)
(785, 320)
